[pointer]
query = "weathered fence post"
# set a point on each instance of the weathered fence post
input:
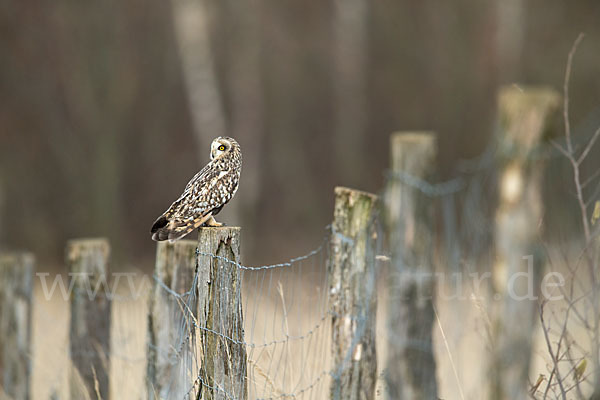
(411, 368)
(170, 322)
(526, 117)
(221, 327)
(352, 294)
(16, 292)
(90, 318)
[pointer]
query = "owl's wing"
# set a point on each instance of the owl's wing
(203, 175)
(190, 210)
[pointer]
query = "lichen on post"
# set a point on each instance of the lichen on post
(527, 118)
(352, 294)
(411, 367)
(90, 318)
(222, 352)
(16, 296)
(170, 322)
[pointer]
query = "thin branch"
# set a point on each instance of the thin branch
(582, 205)
(566, 92)
(593, 197)
(552, 355)
(548, 385)
(460, 390)
(564, 151)
(588, 147)
(574, 363)
(571, 156)
(590, 179)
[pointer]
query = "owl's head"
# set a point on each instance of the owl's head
(223, 145)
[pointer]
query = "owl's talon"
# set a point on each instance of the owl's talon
(212, 222)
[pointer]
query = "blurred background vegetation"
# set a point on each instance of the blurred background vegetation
(107, 108)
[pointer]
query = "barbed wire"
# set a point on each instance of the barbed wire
(311, 331)
(323, 320)
(431, 190)
(189, 332)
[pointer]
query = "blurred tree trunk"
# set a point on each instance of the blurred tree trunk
(510, 34)
(350, 88)
(105, 191)
(206, 99)
(526, 120)
(96, 96)
(411, 366)
(2, 238)
(204, 95)
(246, 93)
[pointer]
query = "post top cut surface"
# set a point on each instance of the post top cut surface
(76, 246)
(88, 242)
(10, 258)
(341, 190)
(527, 116)
(529, 94)
(220, 228)
(413, 152)
(413, 137)
(209, 237)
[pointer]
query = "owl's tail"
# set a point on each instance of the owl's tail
(163, 230)
(172, 230)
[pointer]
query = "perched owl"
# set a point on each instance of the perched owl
(205, 195)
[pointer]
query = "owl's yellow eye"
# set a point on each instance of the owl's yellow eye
(221, 148)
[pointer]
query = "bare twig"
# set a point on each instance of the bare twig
(96, 384)
(591, 178)
(287, 330)
(589, 146)
(553, 355)
(576, 161)
(566, 92)
(460, 390)
(564, 151)
(569, 153)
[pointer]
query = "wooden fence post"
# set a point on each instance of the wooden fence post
(352, 295)
(169, 319)
(90, 318)
(16, 293)
(221, 334)
(411, 368)
(526, 117)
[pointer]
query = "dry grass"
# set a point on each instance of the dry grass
(278, 310)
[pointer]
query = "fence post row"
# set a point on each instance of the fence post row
(16, 294)
(222, 351)
(526, 118)
(411, 368)
(352, 294)
(90, 318)
(170, 322)
(214, 323)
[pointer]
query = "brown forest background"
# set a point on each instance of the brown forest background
(100, 129)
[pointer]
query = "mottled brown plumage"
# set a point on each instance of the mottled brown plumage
(204, 195)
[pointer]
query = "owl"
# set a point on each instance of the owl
(204, 195)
